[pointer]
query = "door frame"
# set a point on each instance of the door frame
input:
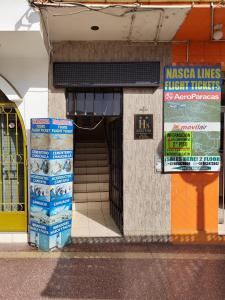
(17, 221)
(116, 180)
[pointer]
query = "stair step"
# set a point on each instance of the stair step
(90, 145)
(91, 178)
(90, 163)
(91, 150)
(91, 187)
(92, 196)
(98, 156)
(90, 171)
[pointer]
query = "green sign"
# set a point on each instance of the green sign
(178, 143)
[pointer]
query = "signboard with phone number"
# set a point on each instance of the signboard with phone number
(192, 96)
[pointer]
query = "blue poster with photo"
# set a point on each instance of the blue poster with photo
(51, 183)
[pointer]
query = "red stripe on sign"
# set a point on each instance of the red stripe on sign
(192, 96)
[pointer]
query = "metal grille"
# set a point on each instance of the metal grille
(116, 172)
(107, 74)
(11, 161)
(94, 102)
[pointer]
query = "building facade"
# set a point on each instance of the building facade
(45, 42)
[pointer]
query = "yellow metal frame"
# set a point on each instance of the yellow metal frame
(16, 221)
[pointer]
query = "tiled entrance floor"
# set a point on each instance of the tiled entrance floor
(93, 219)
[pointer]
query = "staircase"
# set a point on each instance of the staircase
(91, 169)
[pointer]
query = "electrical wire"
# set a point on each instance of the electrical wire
(89, 128)
(101, 10)
(50, 48)
(93, 128)
(136, 8)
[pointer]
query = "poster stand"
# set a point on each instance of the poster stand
(51, 183)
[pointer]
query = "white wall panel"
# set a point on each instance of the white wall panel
(30, 78)
(17, 15)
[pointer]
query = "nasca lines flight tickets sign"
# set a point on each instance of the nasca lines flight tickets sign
(192, 96)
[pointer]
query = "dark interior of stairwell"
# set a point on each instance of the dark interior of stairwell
(97, 176)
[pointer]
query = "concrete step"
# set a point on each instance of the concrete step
(90, 163)
(91, 150)
(90, 145)
(91, 170)
(91, 178)
(98, 156)
(91, 187)
(91, 197)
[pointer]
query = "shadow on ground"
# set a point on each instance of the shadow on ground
(122, 278)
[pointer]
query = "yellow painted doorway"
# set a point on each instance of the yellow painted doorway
(13, 169)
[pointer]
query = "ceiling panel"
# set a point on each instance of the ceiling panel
(145, 25)
(115, 23)
(173, 18)
(78, 25)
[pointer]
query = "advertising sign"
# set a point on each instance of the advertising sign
(51, 183)
(192, 96)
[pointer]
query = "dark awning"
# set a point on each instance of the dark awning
(106, 74)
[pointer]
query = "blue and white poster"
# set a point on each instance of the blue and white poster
(51, 183)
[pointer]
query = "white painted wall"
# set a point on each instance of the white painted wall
(17, 15)
(24, 60)
(23, 57)
(30, 77)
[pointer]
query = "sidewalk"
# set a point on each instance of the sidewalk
(113, 271)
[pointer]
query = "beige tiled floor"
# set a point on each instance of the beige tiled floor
(93, 220)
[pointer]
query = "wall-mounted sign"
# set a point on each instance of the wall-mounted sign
(143, 127)
(192, 96)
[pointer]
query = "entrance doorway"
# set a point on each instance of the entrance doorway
(13, 173)
(98, 201)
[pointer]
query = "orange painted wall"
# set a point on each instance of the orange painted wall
(194, 203)
(194, 196)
